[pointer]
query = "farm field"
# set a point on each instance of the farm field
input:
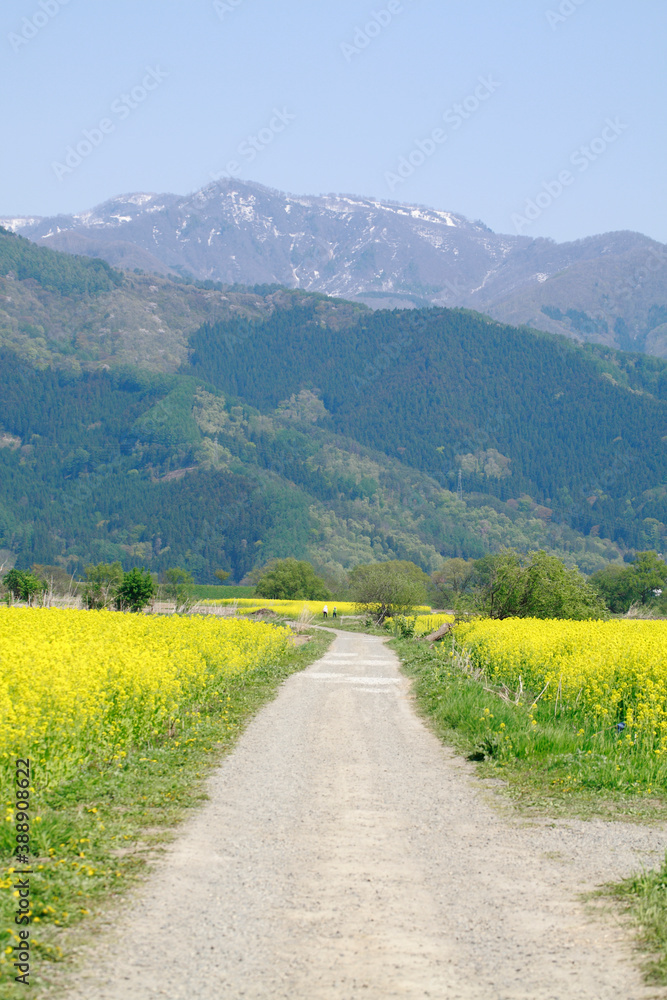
(417, 625)
(571, 712)
(203, 591)
(607, 677)
(102, 684)
(125, 714)
(121, 716)
(246, 605)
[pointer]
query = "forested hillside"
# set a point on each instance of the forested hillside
(162, 470)
(57, 272)
(77, 313)
(166, 423)
(519, 413)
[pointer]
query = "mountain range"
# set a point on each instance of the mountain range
(163, 421)
(609, 289)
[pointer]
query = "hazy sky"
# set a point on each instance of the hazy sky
(316, 97)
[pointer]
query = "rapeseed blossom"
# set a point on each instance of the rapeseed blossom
(609, 673)
(246, 605)
(417, 625)
(84, 686)
(425, 624)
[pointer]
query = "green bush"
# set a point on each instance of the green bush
(136, 590)
(23, 586)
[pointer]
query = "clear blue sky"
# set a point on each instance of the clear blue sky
(222, 69)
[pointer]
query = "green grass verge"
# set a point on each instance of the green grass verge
(548, 760)
(97, 836)
(549, 765)
(645, 899)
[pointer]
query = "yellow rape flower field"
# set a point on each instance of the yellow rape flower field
(80, 683)
(425, 624)
(121, 716)
(246, 605)
(611, 674)
(573, 712)
(419, 625)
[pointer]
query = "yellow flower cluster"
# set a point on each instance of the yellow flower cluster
(82, 685)
(425, 624)
(420, 625)
(608, 672)
(245, 605)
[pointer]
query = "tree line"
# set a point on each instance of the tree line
(504, 585)
(105, 585)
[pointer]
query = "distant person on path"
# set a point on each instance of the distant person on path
(335, 612)
(325, 611)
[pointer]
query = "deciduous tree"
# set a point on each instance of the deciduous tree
(102, 583)
(386, 589)
(178, 584)
(537, 586)
(290, 579)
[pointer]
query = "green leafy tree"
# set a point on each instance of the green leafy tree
(539, 586)
(12, 582)
(497, 583)
(650, 574)
(102, 583)
(33, 587)
(178, 584)
(623, 586)
(135, 591)
(616, 586)
(411, 570)
(289, 580)
(23, 585)
(387, 589)
(222, 575)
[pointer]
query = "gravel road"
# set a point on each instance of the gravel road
(345, 853)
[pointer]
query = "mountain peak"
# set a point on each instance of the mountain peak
(384, 253)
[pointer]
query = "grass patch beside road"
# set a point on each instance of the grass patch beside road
(551, 768)
(547, 762)
(645, 898)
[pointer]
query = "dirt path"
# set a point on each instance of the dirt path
(345, 854)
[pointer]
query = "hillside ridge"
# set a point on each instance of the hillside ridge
(600, 288)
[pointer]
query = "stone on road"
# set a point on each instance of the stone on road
(345, 853)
